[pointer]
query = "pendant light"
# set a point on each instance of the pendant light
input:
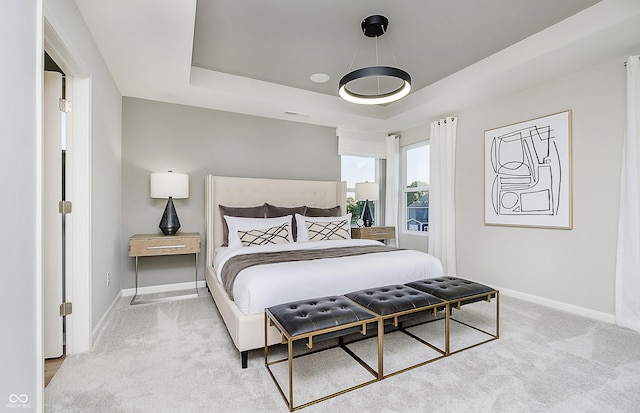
(375, 26)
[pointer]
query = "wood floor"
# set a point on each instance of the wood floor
(51, 366)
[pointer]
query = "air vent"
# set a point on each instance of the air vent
(302, 115)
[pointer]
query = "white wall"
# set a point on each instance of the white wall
(160, 136)
(104, 155)
(577, 266)
(20, 123)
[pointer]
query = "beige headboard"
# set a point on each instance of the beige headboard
(237, 192)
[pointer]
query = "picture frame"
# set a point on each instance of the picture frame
(528, 173)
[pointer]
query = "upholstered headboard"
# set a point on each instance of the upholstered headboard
(238, 192)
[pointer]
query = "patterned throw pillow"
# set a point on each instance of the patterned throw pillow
(274, 235)
(320, 231)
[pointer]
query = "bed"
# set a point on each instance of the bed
(241, 304)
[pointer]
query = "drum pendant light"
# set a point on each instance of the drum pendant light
(375, 26)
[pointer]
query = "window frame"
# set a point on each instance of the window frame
(406, 189)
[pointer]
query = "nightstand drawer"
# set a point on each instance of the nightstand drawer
(149, 245)
(375, 233)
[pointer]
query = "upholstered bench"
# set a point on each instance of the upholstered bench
(458, 292)
(394, 303)
(319, 318)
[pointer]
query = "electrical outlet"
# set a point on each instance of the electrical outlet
(108, 279)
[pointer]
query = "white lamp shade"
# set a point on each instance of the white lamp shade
(169, 184)
(367, 190)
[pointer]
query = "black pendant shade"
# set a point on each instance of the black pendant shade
(375, 26)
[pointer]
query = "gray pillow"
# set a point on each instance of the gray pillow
(244, 212)
(323, 212)
(274, 211)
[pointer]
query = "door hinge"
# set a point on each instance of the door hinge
(65, 105)
(64, 207)
(65, 309)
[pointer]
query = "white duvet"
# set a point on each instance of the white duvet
(263, 286)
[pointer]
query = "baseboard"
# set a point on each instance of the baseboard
(97, 330)
(163, 288)
(558, 305)
(141, 290)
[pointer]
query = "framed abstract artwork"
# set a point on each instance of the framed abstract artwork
(527, 173)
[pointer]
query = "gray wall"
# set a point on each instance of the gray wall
(577, 266)
(19, 118)
(159, 136)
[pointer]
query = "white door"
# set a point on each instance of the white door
(52, 220)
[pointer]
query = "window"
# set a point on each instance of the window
(416, 187)
(358, 169)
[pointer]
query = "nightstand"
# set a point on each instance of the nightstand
(149, 245)
(375, 233)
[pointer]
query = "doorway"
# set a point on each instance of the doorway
(54, 245)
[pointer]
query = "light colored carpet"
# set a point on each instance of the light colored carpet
(177, 357)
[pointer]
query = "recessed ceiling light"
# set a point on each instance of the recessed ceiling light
(319, 77)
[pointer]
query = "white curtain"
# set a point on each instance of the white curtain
(392, 195)
(628, 257)
(442, 209)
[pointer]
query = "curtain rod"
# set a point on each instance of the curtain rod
(625, 63)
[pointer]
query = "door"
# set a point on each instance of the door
(52, 219)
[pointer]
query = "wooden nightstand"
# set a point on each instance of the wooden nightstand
(375, 233)
(149, 245)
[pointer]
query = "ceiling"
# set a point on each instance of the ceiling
(285, 42)
(257, 56)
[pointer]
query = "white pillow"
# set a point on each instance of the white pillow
(236, 224)
(344, 222)
(273, 235)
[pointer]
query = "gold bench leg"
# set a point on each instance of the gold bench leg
(447, 329)
(380, 348)
(290, 347)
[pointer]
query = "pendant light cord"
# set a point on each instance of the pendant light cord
(377, 64)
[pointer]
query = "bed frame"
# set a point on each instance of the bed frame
(247, 332)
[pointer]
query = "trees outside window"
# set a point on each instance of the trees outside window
(358, 169)
(416, 187)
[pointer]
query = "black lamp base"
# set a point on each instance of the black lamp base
(169, 224)
(366, 214)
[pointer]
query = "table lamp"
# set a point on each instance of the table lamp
(169, 185)
(367, 191)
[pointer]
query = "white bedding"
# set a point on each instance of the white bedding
(263, 286)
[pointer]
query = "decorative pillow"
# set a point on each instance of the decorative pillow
(247, 212)
(237, 224)
(274, 211)
(327, 228)
(323, 212)
(273, 235)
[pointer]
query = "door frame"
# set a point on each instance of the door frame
(78, 184)
(52, 221)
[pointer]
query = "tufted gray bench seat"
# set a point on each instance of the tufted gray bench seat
(395, 303)
(337, 316)
(458, 292)
(319, 318)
